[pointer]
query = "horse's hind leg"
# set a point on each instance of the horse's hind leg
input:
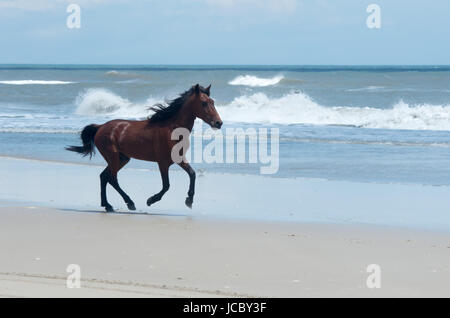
(164, 170)
(104, 178)
(123, 160)
(116, 161)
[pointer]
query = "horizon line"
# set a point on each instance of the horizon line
(122, 64)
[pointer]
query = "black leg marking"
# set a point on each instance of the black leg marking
(165, 181)
(104, 177)
(187, 167)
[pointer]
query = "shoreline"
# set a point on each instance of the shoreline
(92, 163)
(229, 196)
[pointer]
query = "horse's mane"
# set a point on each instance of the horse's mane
(163, 112)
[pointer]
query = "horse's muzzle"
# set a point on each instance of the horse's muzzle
(217, 124)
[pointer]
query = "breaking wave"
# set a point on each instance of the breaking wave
(253, 81)
(294, 108)
(99, 101)
(299, 108)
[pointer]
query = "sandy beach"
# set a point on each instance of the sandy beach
(124, 255)
(49, 221)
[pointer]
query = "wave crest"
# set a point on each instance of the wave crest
(294, 108)
(99, 101)
(299, 108)
(254, 81)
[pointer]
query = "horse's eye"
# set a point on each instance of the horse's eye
(204, 104)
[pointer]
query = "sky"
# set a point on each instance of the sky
(275, 32)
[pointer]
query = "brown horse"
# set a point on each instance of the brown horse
(150, 140)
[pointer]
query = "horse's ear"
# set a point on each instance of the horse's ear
(208, 90)
(197, 89)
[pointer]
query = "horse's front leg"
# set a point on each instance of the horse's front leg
(164, 170)
(187, 167)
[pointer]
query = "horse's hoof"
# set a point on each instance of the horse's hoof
(131, 206)
(189, 202)
(150, 201)
(109, 209)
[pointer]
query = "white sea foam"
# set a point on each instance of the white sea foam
(295, 108)
(253, 81)
(99, 101)
(301, 109)
(35, 82)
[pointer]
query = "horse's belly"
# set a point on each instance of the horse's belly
(142, 157)
(148, 150)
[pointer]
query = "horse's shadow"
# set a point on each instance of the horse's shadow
(127, 213)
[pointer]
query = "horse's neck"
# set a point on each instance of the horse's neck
(184, 119)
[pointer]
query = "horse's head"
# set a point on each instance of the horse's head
(203, 107)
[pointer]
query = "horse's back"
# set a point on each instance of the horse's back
(132, 138)
(112, 133)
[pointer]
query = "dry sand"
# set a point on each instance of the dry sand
(130, 255)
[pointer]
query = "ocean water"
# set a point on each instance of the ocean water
(369, 124)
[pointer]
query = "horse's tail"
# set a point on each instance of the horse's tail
(87, 137)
